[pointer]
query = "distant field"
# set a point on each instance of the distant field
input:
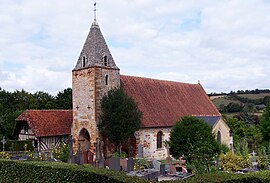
(224, 100)
(255, 96)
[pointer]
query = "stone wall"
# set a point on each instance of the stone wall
(83, 97)
(148, 137)
(88, 88)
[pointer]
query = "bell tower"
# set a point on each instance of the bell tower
(93, 76)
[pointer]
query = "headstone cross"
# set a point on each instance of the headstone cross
(253, 153)
(4, 142)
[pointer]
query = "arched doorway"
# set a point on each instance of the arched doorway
(84, 139)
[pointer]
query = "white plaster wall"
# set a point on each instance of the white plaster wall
(225, 132)
(148, 137)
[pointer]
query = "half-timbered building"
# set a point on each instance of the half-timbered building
(47, 128)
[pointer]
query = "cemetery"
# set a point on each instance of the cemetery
(22, 164)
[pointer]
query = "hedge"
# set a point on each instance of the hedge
(223, 177)
(35, 172)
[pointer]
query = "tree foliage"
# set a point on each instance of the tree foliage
(193, 138)
(120, 116)
(265, 123)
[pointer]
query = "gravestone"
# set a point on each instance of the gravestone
(156, 164)
(162, 169)
(123, 164)
(78, 159)
(168, 158)
(172, 169)
(140, 151)
(130, 151)
(130, 164)
(99, 162)
(114, 163)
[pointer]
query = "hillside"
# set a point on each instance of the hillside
(234, 103)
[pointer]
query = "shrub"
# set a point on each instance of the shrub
(61, 153)
(4, 155)
(121, 155)
(232, 162)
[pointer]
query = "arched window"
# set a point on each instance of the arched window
(219, 136)
(83, 61)
(159, 139)
(106, 79)
(105, 60)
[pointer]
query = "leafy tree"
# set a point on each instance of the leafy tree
(64, 99)
(237, 128)
(265, 123)
(120, 116)
(253, 135)
(193, 138)
(44, 100)
(234, 107)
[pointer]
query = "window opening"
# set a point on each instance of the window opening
(106, 80)
(105, 60)
(159, 139)
(83, 63)
(219, 136)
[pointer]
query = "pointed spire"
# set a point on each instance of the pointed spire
(95, 52)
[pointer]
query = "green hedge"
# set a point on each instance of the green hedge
(30, 171)
(17, 145)
(222, 177)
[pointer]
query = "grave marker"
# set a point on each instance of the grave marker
(114, 163)
(140, 151)
(130, 164)
(4, 142)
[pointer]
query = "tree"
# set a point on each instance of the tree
(64, 99)
(120, 116)
(265, 123)
(193, 138)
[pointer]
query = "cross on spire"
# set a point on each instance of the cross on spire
(95, 11)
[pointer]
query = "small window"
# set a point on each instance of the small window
(105, 60)
(219, 136)
(159, 139)
(83, 62)
(106, 80)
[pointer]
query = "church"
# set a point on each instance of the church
(161, 102)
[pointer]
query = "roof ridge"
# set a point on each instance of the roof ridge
(49, 110)
(162, 80)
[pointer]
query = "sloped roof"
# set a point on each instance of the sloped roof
(48, 122)
(165, 102)
(210, 120)
(94, 49)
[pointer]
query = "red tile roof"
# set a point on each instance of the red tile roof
(164, 102)
(48, 122)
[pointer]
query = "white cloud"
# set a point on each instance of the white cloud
(225, 44)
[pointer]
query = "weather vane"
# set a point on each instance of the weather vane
(95, 11)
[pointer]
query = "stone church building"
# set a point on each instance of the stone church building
(162, 103)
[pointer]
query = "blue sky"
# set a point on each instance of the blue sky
(224, 44)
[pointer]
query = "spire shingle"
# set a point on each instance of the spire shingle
(95, 52)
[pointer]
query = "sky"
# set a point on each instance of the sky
(225, 45)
